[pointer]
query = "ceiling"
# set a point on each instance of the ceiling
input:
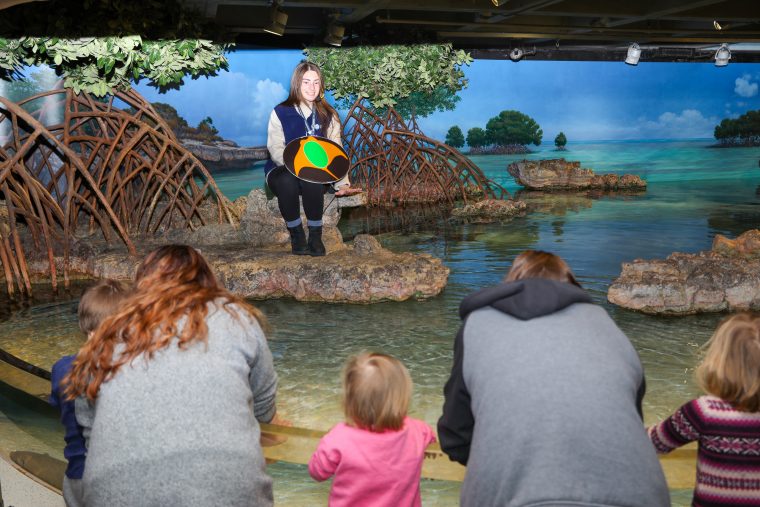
(666, 30)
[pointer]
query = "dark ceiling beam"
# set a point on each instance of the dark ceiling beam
(362, 12)
(4, 4)
(511, 10)
(665, 8)
(693, 11)
(568, 29)
(623, 37)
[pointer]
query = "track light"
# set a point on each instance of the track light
(334, 35)
(279, 20)
(634, 53)
(516, 54)
(722, 56)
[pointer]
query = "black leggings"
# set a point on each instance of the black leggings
(287, 188)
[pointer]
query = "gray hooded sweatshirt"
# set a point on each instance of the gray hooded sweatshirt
(544, 403)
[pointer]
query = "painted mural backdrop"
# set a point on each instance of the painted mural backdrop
(588, 101)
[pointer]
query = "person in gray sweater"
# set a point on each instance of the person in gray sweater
(171, 390)
(543, 404)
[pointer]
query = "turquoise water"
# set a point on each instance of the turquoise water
(694, 193)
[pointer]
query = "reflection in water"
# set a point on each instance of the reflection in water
(595, 235)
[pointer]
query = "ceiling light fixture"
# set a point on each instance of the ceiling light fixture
(516, 54)
(335, 34)
(717, 26)
(634, 53)
(278, 20)
(497, 3)
(722, 56)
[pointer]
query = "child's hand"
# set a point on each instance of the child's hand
(277, 420)
(347, 190)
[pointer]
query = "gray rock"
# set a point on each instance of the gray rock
(488, 210)
(683, 284)
(560, 174)
(224, 155)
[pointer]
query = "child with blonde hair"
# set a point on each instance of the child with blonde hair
(726, 421)
(98, 302)
(376, 456)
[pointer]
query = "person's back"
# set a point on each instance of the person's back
(97, 303)
(177, 420)
(375, 458)
(725, 422)
(196, 422)
(553, 388)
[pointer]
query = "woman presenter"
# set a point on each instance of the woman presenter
(303, 113)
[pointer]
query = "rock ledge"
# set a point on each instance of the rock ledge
(726, 278)
(560, 174)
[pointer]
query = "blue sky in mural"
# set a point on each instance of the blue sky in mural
(586, 100)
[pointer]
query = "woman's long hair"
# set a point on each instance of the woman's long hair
(174, 282)
(326, 114)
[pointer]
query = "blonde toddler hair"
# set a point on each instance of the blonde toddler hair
(730, 369)
(376, 391)
(100, 301)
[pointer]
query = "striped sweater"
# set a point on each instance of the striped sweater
(728, 459)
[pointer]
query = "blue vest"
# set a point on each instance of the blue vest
(293, 127)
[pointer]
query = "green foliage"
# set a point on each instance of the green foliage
(742, 131)
(477, 138)
(513, 127)
(560, 141)
(420, 104)
(454, 137)
(103, 65)
(384, 75)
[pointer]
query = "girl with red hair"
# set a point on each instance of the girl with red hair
(171, 389)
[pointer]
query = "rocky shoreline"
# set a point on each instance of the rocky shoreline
(252, 258)
(487, 211)
(225, 154)
(725, 278)
(560, 174)
(509, 149)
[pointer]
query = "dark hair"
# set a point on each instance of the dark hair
(540, 264)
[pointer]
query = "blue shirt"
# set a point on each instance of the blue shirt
(75, 451)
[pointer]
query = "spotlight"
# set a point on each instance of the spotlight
(516, 54)
(722, 56)
(634, 53)
(497, 3)
(334, 35)
(717, 26)
(279, 20)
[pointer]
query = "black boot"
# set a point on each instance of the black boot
(316, 247)
(298, 241)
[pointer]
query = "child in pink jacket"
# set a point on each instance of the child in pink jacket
(376, 457)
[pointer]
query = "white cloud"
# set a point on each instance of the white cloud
(689, 123)
(265, 94)
(745, 87)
